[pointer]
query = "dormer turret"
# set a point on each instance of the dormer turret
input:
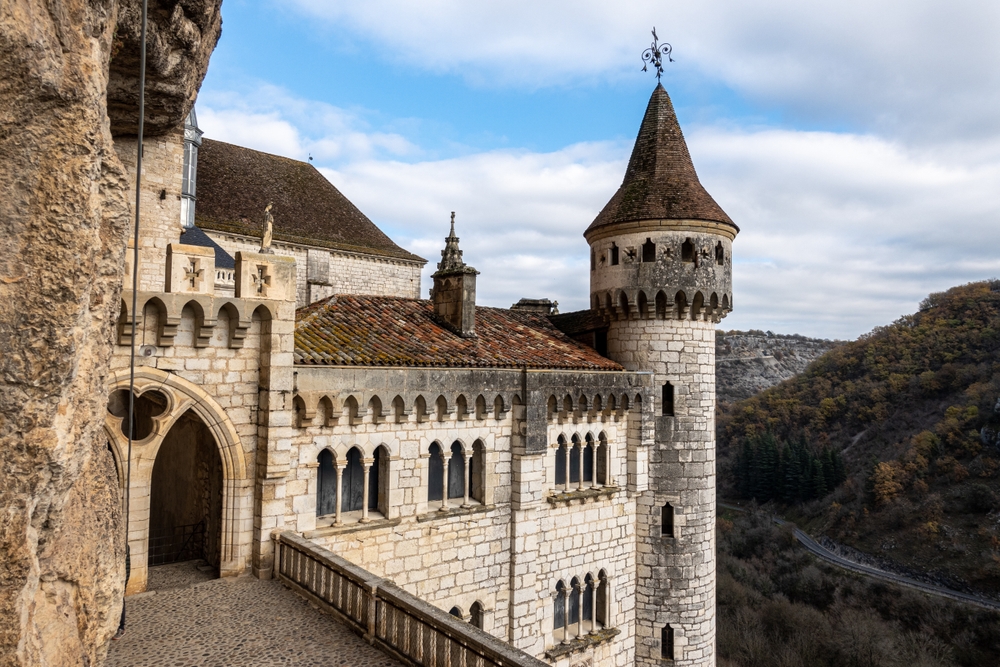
(454, 292)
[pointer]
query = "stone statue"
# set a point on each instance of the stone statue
(268, 231)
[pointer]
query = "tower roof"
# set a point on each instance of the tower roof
(660, 182)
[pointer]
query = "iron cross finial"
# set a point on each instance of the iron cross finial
(654, 55)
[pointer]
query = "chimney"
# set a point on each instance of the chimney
(454, 292)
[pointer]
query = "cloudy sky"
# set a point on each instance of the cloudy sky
(855, 143)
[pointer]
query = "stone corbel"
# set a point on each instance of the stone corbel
(238, 332)
(203, 331)
(168, 329)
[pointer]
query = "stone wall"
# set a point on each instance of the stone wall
(508, 551)
(347, 273)
(676, 574)
(160, 203)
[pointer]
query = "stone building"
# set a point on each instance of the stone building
(548, 478)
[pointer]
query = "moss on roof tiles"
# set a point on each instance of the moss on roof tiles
(235, 184)
(390, 331)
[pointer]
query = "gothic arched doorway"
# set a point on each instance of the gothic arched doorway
(185, 508)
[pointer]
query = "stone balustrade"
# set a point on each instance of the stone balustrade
(388, 617)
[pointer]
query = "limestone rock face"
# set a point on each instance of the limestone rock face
(180, 37)
(747, 362)
(64, 218)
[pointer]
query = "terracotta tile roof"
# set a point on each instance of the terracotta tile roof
(388, 331)
(235, 184)
(660, 181)
(578, 322)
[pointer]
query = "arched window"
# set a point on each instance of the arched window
(461, 408)
(456, 472)
(480, 408)
(667, 643)
(603, 612)
(648, 251)
(477, 480)
(326, 490)
(559, 611)
(614, 254)
(477, 614)
(456, 612)
(574, 603)
(553, 407)
(574, 461)
(353, 482)
(720, 254)
(561, 461)
(603, 461)
(378, 482)
(435, 477)
(588, 460)
(589, 595)
(667, 403)
(667, 520)
(687, 251)
(420, 409)
(442, 408)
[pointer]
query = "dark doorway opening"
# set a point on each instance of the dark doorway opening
(185, 504)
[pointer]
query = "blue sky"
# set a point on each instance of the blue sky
(856, 144)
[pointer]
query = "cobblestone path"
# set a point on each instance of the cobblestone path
(238, 621)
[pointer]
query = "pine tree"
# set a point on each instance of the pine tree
(819, 481)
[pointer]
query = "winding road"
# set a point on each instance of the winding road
(822, 552)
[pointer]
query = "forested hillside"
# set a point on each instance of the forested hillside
(780, 607)
(889, 443)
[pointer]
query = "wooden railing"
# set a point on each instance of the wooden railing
(388, 617)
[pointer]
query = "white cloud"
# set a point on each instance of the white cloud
(919, 68)
(267, 118)
(840, 232)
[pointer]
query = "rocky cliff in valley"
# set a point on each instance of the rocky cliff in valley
(64, 219)
(747, 362)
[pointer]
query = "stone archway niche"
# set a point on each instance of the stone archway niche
(185, 507)
(227, 502)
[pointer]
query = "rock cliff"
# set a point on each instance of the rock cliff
(750, 361)
(64, 218)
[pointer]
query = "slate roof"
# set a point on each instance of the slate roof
(194, 236)
(235, 184)
(578, 322)
(349, 330)
(660, 182)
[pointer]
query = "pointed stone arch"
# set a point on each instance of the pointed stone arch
(182, 397)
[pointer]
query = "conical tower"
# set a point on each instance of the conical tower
(661, 275)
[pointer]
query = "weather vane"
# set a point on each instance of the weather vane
(654, 55)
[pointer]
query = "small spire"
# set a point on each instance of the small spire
(451, 256)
